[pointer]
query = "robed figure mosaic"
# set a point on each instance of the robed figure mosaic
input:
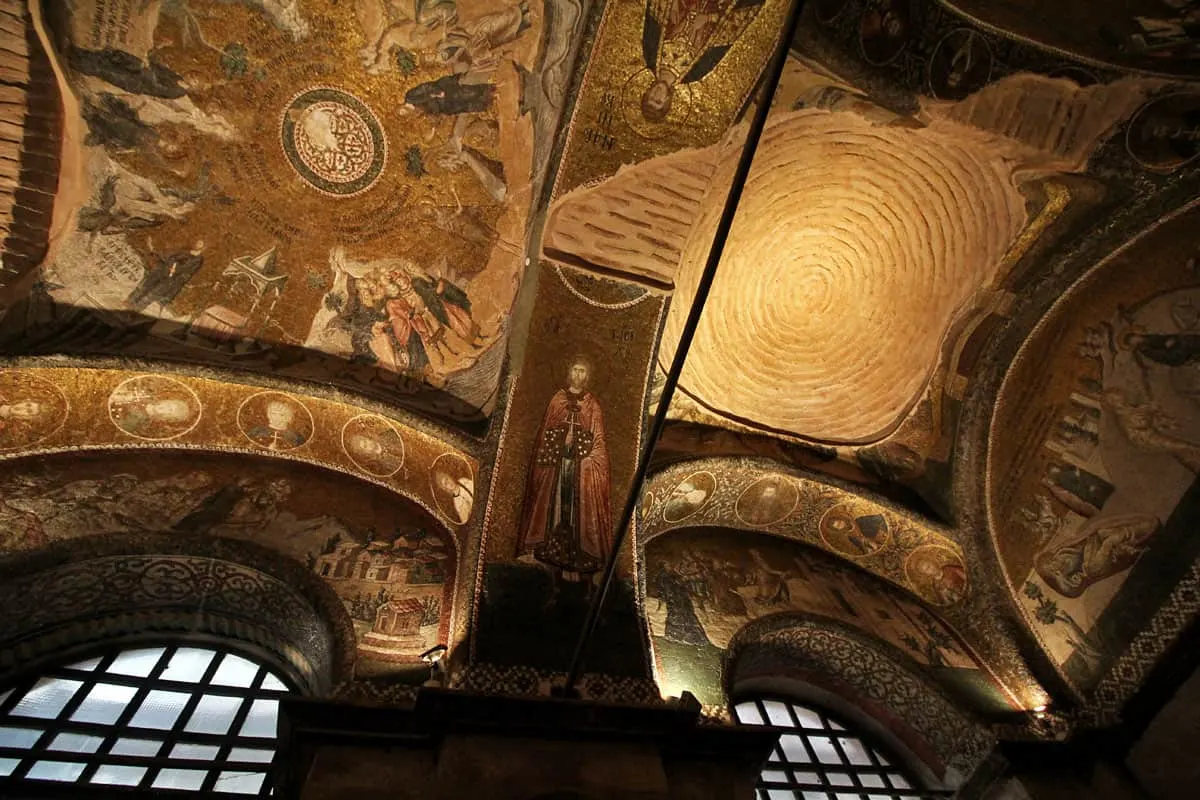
(567, 518)
(684, 40)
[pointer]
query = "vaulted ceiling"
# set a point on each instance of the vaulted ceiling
(432, 249)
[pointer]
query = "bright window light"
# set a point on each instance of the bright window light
(818, 757)
(172, 718)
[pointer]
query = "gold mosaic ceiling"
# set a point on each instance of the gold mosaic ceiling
(279, 224)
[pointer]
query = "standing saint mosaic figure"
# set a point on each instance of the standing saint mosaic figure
(684, 40)
(567, 519)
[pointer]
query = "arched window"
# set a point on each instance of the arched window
(824, 758)
(170, 717)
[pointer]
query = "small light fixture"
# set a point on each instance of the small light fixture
(437, 672)
(1039, 712)
(434, 654)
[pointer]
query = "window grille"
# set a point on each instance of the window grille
(168, 718)
(821, 757)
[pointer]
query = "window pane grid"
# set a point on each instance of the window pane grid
(103, 746)
(131, 709)
(167, 685)
(820, 758)
(239, 719)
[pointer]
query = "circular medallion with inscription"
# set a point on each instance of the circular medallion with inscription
(333, 141)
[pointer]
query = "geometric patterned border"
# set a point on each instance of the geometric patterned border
(510, 681)
(368, 692)
(91, 601)
(526, 681)
(1129, 672)
(71, 592)
(883, 683)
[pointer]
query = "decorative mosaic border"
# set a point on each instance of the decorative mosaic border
(85, 396)
(92, 601)
(878, 676)
(185, 580)
(530, 682)
(1147, 648)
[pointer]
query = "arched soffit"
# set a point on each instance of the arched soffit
(239, 180)
(878, 537)
(52, 409)
(90, 589)
(1092, 456)
(392, 564)
(704, 584)
(877, 679)
(1143, 35)
(946, 569)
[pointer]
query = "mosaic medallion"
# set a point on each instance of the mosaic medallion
(31, 409)
(453, 486)
(854, 530)
(333, 141)
(373, 444)
(937, 574)
(154, 408)
(689, 496)
(1165, 133)
(275, 421)
(767, 501)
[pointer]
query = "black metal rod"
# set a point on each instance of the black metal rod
(753, 135)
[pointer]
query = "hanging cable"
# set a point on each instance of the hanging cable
(757, 123)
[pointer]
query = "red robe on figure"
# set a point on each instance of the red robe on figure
(567, 516)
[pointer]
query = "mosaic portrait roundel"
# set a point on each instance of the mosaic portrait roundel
(689, 496)
(767, 501)
(1163, 134)
(333, 141)
(937, 574)
(275, 421)
(31, 409)
(373, 444)
(154, 408)
(854, 531)
(453, 485)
